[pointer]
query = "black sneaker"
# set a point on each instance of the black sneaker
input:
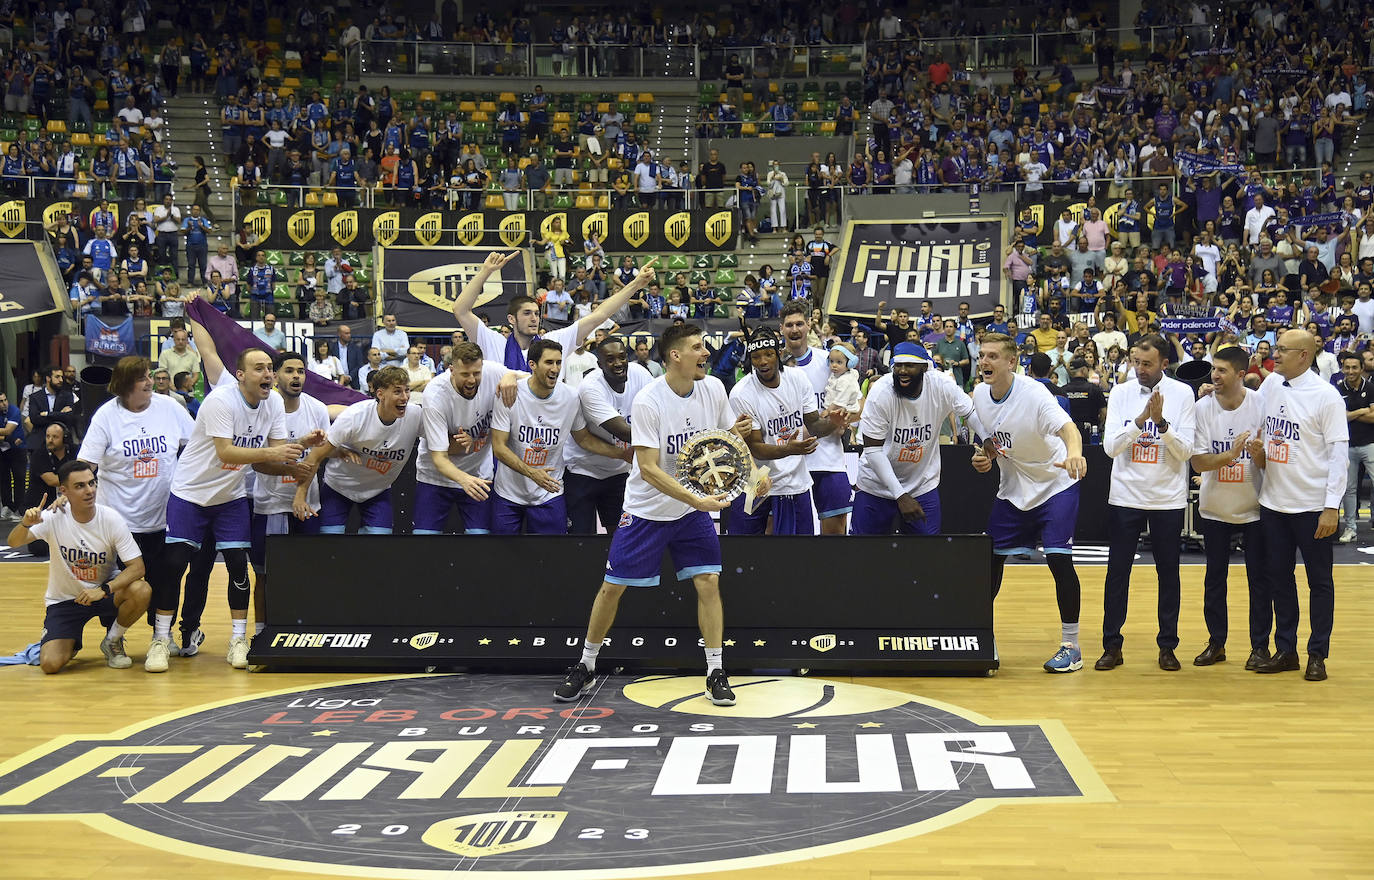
(577, 682)
(718, 689)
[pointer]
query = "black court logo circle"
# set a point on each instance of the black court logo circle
(423, 776)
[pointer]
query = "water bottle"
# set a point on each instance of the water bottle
(1095, 439)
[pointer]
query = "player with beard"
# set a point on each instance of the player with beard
(830, 489)
(454, 467)
(370, 441)
(899, 470)
(529, 439)
(1039, 455)
(522, 316)
(133, 441)
(780, 401)
(660, 514)
(239, 424)
(275, 484)
(594, 485)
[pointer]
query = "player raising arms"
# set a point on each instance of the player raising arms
(529, 439)
(454, 467)
(1039, 455)
(522, 316)
(83, 581)
(899, 471)
(780, 401)
(240, 424)
(660, 514)
(370, 441)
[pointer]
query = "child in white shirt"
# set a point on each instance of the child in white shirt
(842, 388)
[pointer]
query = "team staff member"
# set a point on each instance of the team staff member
(899, 470)
(133, 442)
(370, 442)
(1229, 504)
(1149, 435)
(662, 515)
(830, 490)
(454, 467)
(1039, 455)
(594, 484)
(83, 578)
(1304, 444)
(781, 402)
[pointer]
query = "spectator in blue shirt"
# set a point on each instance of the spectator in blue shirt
(194, 228)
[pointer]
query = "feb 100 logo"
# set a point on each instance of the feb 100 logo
(424, 776)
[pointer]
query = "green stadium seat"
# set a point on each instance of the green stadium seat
(725, 276)
(703, 261)
(275, 258)
(729, 261)
(563, 202)
(722, 310)
(699, 275)
(674, 262)
(281, 292)
(297, 258)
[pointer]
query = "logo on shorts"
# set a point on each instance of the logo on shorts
(392, 777)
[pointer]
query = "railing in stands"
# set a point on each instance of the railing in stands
(418, 58)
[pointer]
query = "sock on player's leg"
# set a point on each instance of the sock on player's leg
(713, 659)
(240, 627)
(162, 626)
(1068, 632)
(117, 630)
(589, 652)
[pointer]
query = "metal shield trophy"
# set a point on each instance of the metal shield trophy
(716, 463)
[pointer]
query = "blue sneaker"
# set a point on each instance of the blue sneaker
(1066, 659)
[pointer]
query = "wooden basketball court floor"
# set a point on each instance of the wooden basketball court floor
(1214, 772)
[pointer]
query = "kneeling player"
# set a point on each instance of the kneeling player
(1039, 454)
(661, 515)
(83, 580)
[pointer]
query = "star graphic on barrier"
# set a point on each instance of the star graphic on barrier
(805, 725)
(512, 641)
(259, 734)
(324, 733)
(759, 643)
(871, 724)
(484, 641)
(729, 643)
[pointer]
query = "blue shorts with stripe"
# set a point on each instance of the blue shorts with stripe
(791, 516)
(832, 494)
(636, 556)
(377, 515)
(879, 516)
(1015, 531)
(228, 525)
(432, 504)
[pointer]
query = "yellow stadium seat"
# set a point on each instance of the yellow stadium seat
(562, 118)
(331, 57)
(291, 82)
(585, 203)
(644, 118)
(828, 126)
(481, 116)
(429, 96)
(312, 199)
(766, 134)
(646, 97)
(614, 164)
(748, 129)
(487, 106)
(772, 88)
(101, 104)
(603, 107)
(293, 64)
(495, 201)
(524, 160)
(585, 186)
(467, 106)
(506, 97)
(626, 97)
(81, 139)
(811, 107)
(603, 202)
(331, 200)
(57, 126)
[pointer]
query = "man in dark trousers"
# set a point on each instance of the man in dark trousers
(12, 465)
(55, 402)
(1087, 403)
(352, 354)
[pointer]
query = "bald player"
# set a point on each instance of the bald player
(1303, 445)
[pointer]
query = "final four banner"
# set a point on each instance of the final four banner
(30, 284)
(362, 228)
(947, 260)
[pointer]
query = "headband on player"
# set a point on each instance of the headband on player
(911, 353)
(763, 339)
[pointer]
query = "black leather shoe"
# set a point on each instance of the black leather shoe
(1280, 662)
(1108, 660)
(1316, 668)
(1213, 653)
(1168, 662)
(1257, 656)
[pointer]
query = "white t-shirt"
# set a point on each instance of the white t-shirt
(540, 429)
(446, 412)
(910, 431)
(663, 420)
(383, 449)
(577, 367)
(1231, 494)
(780, 414)
(1150, 470)
(829, 454)
(274, 494)
(201, 477)
(1306, 443)
(84, 554)
(136, 455)
(600, 403)
(1025, 424)
(493, 344)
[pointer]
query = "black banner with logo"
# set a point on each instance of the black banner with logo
(30, 285)
(361, 228)
(894, 618)
(947, 260)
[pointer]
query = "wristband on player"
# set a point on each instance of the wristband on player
(1162, 425)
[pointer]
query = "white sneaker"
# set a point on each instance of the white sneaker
(190, 643)
(1347, 536)
(238, 652)
(113, 649)
(156, 661)
(6, 513)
